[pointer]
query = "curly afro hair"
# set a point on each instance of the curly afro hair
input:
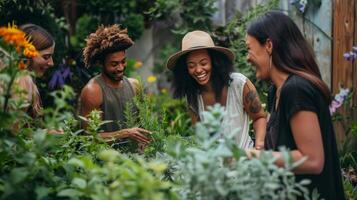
(104, 41)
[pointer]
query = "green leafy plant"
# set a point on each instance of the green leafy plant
(216, 169)
(115, 177)
(184, 14)
(164, 116)
(347, 147)
(85, 25)
(233, 35)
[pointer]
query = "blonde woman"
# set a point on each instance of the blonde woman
(45, 45)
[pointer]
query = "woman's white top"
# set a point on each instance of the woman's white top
(236, 120)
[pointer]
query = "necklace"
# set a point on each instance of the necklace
(277, 96)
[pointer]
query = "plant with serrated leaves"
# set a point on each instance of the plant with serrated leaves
(116, 177)
(77, 141)
(29, 166)
(164, 116)
(217, 169)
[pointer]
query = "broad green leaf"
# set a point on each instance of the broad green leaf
(79, 182)
(19, 174)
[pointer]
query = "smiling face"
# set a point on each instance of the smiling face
(114, 65)
(199, 66)
(43, 61)
(259, 56)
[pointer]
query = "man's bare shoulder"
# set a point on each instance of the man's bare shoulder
(135, 84)
(92, 93)
(134, 81)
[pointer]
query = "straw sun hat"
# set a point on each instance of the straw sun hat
(193, 41)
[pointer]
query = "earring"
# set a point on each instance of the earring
(270, 61)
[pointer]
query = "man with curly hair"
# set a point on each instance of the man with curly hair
(110, 91)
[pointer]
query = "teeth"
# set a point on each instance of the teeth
(201, 76)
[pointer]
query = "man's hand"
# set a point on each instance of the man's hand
(138, 134)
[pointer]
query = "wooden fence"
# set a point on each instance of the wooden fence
(344, 72)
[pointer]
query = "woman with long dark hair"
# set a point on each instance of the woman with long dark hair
(203, 74)
(298, 102)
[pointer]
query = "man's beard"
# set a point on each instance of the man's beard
(112, 77)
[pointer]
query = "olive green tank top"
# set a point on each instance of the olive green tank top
(114, 103)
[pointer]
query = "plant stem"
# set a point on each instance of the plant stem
(8, 90)
(5, 52)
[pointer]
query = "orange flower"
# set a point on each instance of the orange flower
(30, 51)
(22, 65)
(13, 35)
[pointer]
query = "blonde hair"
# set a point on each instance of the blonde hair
(38, 36)
(29, 88)
(41, 39)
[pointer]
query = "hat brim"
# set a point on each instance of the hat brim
(171, 62)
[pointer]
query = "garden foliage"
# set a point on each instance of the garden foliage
(77, 164)
(216, 169)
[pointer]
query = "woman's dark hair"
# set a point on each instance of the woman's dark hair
(185, 86)
(291, 52)
(39, 37)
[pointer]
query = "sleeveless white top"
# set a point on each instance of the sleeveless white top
(236, 119)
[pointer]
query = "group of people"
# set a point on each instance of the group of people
(298, 99)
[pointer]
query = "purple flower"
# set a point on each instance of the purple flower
(59, 76)
(344, 92)
(338, 100)
(354, 56)
(66, 72)
(354, 48)
(332, 110)
(334, 105)
(347, 56)
(302, 8)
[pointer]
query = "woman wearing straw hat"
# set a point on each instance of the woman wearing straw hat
(203, 74)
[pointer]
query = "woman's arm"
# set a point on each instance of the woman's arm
(193, 116)
(253, 107)
(306, 131)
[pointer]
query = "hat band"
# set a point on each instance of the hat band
(197, 47)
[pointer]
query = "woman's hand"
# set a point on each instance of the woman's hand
(259, 144)
(252, 153)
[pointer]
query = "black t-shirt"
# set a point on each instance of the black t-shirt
(298, 94)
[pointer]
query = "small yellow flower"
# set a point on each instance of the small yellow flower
(151, 79)
(163, 90)
(138, 64)
(72, 62)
